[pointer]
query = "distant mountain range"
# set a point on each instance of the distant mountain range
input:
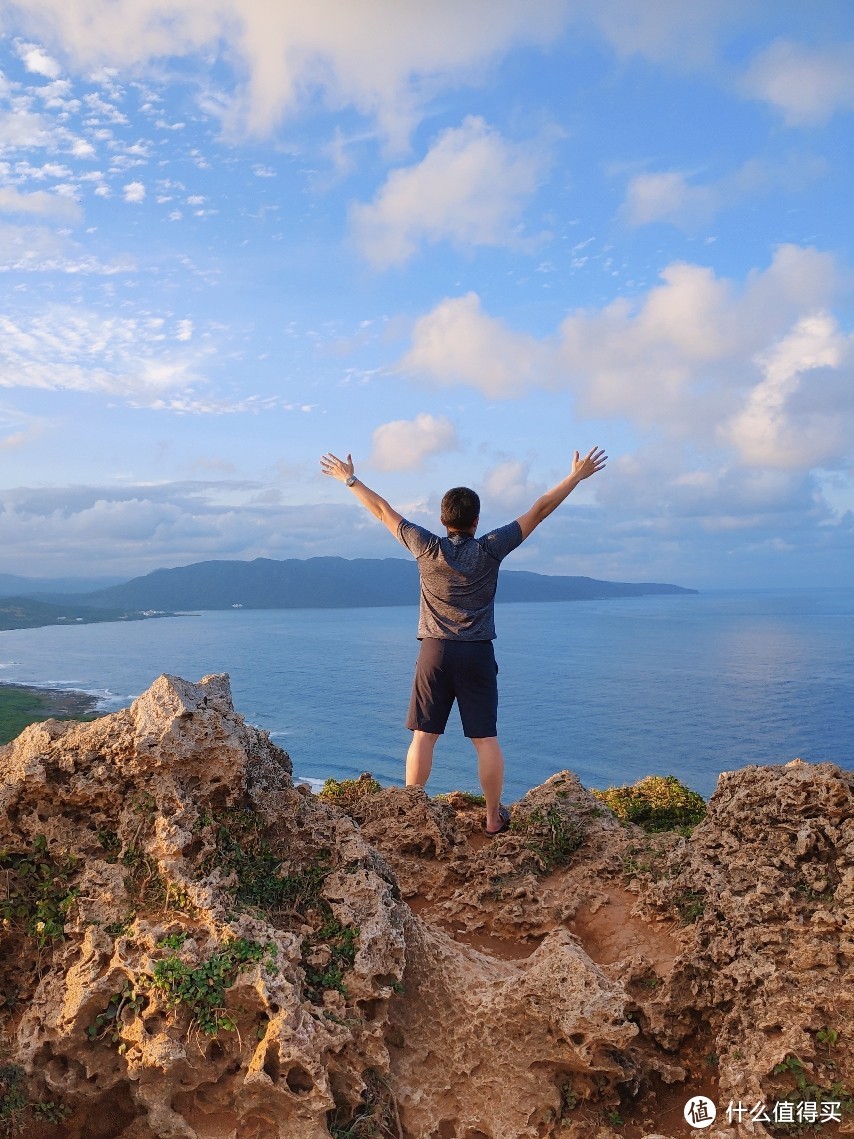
(13, 586)
(325, 583)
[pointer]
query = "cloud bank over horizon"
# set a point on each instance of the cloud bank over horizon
(236, 235)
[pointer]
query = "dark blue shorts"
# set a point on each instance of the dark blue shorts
(464, 671)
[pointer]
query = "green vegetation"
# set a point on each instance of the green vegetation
(262, 882)
(825, 897)
(376, 1117)
(20, 707)
(14, 1100)
(39, 892)
(808, 1092)
(656, 803)
(690, 905)
(149, 887)
(243, 850)
(644, 859)
(110, 843)
(24, 613)
(341, 941)
(173, 940)
(201, 990)
(16, 1107)
(568, 1099)
(459, 800)
(108, 1024)
(551, 835)
(346, 793)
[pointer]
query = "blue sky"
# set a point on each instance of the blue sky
(458, 240)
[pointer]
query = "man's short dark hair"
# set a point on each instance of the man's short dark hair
(460, 508)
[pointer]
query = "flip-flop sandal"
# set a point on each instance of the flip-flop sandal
(504, 816)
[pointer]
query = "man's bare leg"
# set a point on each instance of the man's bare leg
(419, 758)
(490, 772)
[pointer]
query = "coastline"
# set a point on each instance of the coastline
(25, 704)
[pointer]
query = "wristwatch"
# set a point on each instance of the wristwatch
(350, 480)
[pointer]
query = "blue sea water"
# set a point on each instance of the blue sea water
(613, 690)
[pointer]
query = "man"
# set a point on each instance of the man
(456, 624)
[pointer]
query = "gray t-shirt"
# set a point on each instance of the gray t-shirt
(459, 575)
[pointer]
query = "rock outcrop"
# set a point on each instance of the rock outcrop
(194, 948)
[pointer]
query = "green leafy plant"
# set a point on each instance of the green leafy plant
(201, 988)
(827, 1036)
(39, 891)
(173, 940)
(568, 1098)
(110, 843)
(107, 1024)
(16, 1107)
(342, 941)
(656, 803)
(807, 1091)
(49, 1111)
(121, 925)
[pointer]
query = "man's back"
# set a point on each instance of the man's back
(459, 575)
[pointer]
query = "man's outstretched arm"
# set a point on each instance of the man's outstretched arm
(592, 462)
(341, 470)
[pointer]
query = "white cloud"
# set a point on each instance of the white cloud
(683, 35)
(73, 349)
(23, 130)
(695, 359)
(37, 61)
(379, 56)
(136, 528)
(185, 330)
(508, 487)
(801, 414)
(40, 203)
(673, 357)
(667, 196)
(134, 192)
(459, 343)
(673, 196)
(82, 148)
(807, 84)
(36, 249)
(405, 444)
(469, 189)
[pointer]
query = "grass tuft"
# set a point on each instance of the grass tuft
(346, 793)
(656, 803)
(551, 835)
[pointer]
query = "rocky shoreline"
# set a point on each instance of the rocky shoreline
(24, 704)
(193, 947)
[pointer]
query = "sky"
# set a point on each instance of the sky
(458, 240)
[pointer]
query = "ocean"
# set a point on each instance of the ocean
(612, 690)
